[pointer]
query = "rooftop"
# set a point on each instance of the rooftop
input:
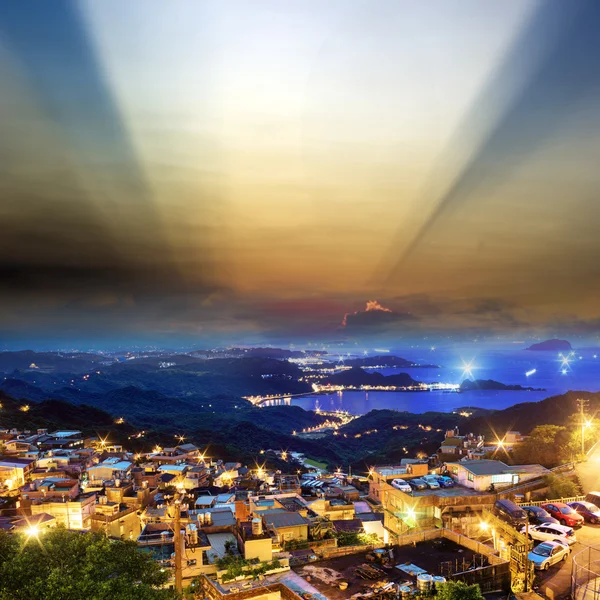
(278, 519)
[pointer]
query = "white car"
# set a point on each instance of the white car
(551, 532)
(546, 554)
(401, 485)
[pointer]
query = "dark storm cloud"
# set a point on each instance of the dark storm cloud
(564, 38)
(77, 211)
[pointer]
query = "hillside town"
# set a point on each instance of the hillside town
(225, 529)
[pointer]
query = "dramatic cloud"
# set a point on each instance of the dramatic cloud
(375, 318)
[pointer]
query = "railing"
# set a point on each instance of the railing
(345, 550)
(540, 502)
(108, 518)
(564, 468)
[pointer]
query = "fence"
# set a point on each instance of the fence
(538, 481)
(346, 550)
(492, 578)
(585, 574)
(540, 502)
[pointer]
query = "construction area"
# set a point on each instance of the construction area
(403, 570)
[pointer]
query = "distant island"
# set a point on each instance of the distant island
(489, 384)
(370, 362)
(554, 345)
(356, 376)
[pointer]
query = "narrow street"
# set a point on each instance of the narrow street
(556, 583)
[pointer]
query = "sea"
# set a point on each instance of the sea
(508, 365)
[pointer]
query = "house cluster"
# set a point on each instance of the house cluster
(473, 447)
(450, 495)
(224, 509)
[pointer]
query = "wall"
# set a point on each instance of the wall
(298, 532)
(259, 548)
(73, 515)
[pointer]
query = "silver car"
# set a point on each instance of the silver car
(547, 554)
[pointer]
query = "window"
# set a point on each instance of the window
(470, 476)
(502, 478)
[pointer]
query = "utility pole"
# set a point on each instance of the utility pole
(582, 403)
(176, 515)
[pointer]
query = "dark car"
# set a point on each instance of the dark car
(590, 512)
(418, 484)
(564, 513)
(537, 515)
(511, 513)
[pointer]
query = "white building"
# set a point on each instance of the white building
(481, 474)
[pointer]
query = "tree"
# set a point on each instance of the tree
(560, 486)
(458, 590)
(547, 445)
(67, 565)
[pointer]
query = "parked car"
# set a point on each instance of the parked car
(401, 485)
(537, 515)
(593, 497)
(431, 481)
(511, 513)
(551, 532)
(564, 513)
(417, 483)
(590, 512)
(445, 481)
(544, 555)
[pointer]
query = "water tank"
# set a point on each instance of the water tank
(424, 582)
(405, 591)
(33, 485)
(103, 499)
(117, 482)
(207, 518)
(145, 483)
(192, 533)
(438, 580)
(257, 526)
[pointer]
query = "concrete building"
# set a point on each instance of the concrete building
(480, 475)
(116, 520)
(110, 469)
(73, 513)
(254, 541)
(285, 526)
(14, 472)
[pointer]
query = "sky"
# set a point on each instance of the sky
(264, 170)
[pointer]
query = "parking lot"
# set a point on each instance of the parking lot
(556, 582)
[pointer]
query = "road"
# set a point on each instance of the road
(556, 582)
(589, 471)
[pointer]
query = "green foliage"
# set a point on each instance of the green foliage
(560, 486)
(458, 590)
(296, 545)
(351, 538)
(71, 566)
(547, 445)
(236, 566)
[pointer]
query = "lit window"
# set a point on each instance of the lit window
(503, 478)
